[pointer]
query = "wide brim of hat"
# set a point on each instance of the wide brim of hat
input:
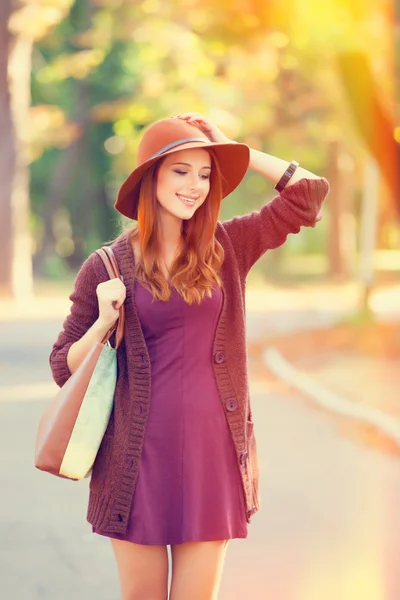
(233, 160)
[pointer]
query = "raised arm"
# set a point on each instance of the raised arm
(296, 206)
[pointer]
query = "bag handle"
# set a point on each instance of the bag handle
(110, 262)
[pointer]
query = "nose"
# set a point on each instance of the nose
(194, 183)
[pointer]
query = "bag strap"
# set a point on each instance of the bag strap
(110, 262)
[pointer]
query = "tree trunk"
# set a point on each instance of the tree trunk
(15, 66)
(342, 240)
(368, 228)
(7, 162)
(20, 64)
(57, 190)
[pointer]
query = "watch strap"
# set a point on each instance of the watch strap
(288, 174)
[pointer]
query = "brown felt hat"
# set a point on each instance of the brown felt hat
(170, 135)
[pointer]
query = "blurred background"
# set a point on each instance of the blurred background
(314, 82)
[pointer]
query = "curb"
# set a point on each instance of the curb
(324, 397)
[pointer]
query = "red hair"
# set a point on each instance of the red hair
(195, 272)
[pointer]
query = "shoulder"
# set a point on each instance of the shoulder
(92, 271)
(94, 268)
(120, 244)
(124, 246)
(220, 232)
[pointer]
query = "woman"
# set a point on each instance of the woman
(178, 463)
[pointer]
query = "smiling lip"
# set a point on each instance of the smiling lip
(187, 200)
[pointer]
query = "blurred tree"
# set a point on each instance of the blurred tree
(76, 69)
(374, 121)
(266, 75)
(164, 59)
(8, 153)
(20, 23)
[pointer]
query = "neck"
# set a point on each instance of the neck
(170, 230)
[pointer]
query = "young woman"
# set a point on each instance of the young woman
(178, 463)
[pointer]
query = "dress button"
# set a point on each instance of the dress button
(231, 404)
(219, 357)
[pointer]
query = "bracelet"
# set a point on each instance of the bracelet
(286, 176)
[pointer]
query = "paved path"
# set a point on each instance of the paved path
(329, 527)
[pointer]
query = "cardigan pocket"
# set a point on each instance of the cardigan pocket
(101, 464)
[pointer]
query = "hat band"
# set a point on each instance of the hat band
(177, 143)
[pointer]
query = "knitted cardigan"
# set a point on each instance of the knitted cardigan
(244, 239)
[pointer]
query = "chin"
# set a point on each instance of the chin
(185, 215)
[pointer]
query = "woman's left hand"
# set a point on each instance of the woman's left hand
(206, 126)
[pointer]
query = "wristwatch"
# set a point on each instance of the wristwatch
(286, 176)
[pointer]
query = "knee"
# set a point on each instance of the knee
(144, 593)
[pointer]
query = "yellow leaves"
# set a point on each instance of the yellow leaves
(99, 35)
(396, 134)
(125, 113)
(252, 69)
(36, 17)
(109, 111)
(177, 60)
(77, 65)
(340, 25)
(153, 85)
(230, 124)
(150, 7)
(123, 127)
(278, 39)
(139, 113)
(49, 127)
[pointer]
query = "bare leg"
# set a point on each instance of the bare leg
(143, 570)
(197, 570)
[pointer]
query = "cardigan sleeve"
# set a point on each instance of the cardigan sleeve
(83, 313)
(296, 206)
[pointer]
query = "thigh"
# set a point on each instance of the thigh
(143, 570)
(197, 569)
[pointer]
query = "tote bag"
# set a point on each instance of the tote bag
(72, 427)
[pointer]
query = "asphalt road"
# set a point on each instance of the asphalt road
(328, 529)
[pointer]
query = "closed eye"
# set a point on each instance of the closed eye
(206, 176)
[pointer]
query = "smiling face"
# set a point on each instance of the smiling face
(183, 182)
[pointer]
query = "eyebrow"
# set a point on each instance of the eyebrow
(189, 165)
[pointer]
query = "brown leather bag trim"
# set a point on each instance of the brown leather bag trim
(110, 262)
(59, 418)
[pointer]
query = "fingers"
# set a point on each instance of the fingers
(191, 117)
(111, 292)
(203, 124)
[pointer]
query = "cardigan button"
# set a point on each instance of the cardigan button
(231, 404)
(243, 457)
(219, 357)
(138, 409)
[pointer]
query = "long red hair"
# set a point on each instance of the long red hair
(195, 272)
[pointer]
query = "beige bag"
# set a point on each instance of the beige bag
(73, 425)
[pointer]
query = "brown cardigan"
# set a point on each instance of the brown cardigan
(244, 239)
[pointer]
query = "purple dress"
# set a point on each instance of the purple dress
(189, 486)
